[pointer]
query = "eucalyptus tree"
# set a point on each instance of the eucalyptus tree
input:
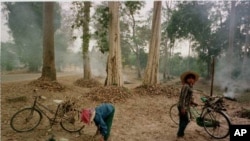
(165, 49)
(130, 10)
(48, 69)
(25, 22)
(151, 72)
(114, 64)
(82, 21)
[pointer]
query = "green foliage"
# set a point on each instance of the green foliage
(178, 64)
(190, 18)
(193, 21)
(208, 27)
(143, 57)
(102, 17)
(134, 6)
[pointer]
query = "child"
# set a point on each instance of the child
(102, 115)
(186, 99)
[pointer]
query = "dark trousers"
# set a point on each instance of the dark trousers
(109, 121)
(183, 122)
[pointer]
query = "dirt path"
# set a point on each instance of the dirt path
(141, 118)
(29, 76)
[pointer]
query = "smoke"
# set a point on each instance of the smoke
(232, 75)
(98, 62)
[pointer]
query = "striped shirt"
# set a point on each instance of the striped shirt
(186, 96)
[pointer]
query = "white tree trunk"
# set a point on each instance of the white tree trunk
(151, 72)
(114, 66)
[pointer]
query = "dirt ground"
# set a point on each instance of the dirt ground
(140, 118)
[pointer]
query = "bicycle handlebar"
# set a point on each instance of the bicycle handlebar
(38, 96)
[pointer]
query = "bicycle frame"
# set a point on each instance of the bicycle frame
(37, 105)
(211, 117)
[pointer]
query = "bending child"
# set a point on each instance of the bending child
(102, 116)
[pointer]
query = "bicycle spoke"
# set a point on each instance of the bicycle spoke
(25, 120)
(216, 124)
(71, 122)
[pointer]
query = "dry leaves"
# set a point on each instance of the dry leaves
(243, 113)
(87, 83)
(48, 85)
(111, 94)
(168, 90)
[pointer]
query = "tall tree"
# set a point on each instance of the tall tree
(133, 7)
(48, 70)
(191, 21)
(165, 39)
(25, 23)
(82, 20)
(151, 72)
(231, 30)
(86, 37)
(114, 64)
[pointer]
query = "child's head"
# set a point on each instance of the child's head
(189, 77)
(87, 115)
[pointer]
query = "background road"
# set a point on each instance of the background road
(29, 76)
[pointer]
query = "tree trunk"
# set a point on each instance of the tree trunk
(85, 41)
(114, 67)
(230, 55)
(48, 70)
(244, 66)
(165, 60)
(137, 50)
(151, 72)
(231, 30)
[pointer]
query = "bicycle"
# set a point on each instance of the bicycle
(212, 116)
(28, 119)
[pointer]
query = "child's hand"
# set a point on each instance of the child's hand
(101, 139)
(183, 111)
(194, 104)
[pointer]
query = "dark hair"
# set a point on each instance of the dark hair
(189, 76)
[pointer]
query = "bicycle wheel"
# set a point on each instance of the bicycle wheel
(216, 124)
(25, 120)
(71, 121)
(174, 113)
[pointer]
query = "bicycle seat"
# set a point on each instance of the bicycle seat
(57, 101)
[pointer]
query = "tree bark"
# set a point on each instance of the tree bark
(114, 66)
(137, 50)
(230, 55)
(231, 29)
(151, 72)
(85, 41)
(48, 70)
